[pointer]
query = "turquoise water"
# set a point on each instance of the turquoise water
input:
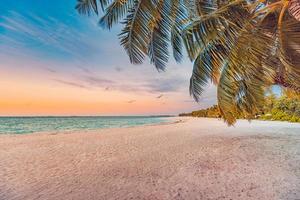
(21, 125)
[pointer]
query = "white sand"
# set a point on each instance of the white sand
(194, 159)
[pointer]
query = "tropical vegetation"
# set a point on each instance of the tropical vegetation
(284, 108)
(242, 46)
(211, 112)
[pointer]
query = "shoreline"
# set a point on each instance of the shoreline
(173, 120)
(194, 159)
(96, 129)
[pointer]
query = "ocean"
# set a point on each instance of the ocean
(23, 125)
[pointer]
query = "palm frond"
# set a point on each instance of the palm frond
(85, 7)
(243, 79)
(160, 34)
(294, 9)
(289, 53)
(115, 12)
(135, 35)
(203, 30)
(207, 68)
(205, 7)
(178, 20)
(191, 9)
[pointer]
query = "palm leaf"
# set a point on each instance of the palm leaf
(178, 19)
(289, 53)
(86, 6)
(135, 35)
(205, 7)
(209, 27)
(159, 39)
(294, 9)
(243, 79)
(207, 68)
(115, 12)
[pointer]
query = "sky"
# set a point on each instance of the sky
(56, 62)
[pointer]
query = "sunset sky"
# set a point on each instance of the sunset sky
(55, 62)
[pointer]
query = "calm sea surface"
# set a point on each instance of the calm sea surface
(21, 125)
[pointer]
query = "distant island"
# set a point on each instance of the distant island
(284, 108)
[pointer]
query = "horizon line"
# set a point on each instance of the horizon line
(32, 116)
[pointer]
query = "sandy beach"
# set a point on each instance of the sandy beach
(191, 159)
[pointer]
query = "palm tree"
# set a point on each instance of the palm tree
(242, 46)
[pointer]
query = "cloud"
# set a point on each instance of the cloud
(88, 82)
(84, 69)
(69, 83)
(50, 70)
(125, 84)
(169, 84)
(189, 101)
(131, 101)
(59, 39)
(45, 35)
(165, 85)
(97, 81)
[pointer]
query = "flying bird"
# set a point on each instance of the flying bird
(118, 69)
(160, 96)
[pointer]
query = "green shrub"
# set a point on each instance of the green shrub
(285, 108)
(295, 119)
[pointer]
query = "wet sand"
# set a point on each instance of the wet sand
(193, 159)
